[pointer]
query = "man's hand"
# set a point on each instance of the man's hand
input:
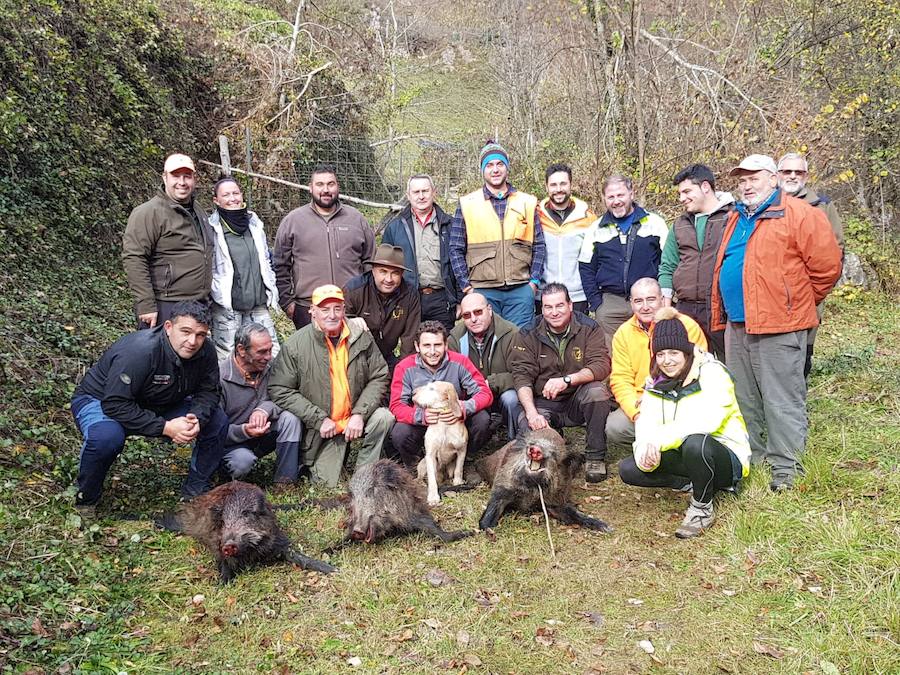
(666, 302)
(534, 287)
(359, 322)
(328, 428)
(289, 310)
(354, 428)
(258, 424)
(536, 422)
(648, 457)
(554, 387)
(182, 429)
(458, 312)
(149, 318)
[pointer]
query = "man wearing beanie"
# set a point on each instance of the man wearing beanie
(631, 357)
(623, 246)
(777, 260)
(496, 241)
(690, 429)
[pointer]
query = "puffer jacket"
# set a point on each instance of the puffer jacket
(301, 379)
(631, 359)
(563, 243)
(223, 269)
(705, 403)
(791, 263)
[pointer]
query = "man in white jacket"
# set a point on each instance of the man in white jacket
(243, 285)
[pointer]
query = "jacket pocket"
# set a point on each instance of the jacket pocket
(522, 225)
(482, 261)
(520, 256)
(161, 277)
(788, 300)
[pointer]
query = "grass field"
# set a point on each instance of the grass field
(806, 581)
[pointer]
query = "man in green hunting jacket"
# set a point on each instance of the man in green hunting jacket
(332, 376)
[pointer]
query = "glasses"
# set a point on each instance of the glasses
(792, 172)
(475, 312)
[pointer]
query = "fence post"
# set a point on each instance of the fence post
(224, 156)
(248, 154)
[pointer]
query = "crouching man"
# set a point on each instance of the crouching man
(559, 364)
(158, 382)
(256, 426)
(331, 375)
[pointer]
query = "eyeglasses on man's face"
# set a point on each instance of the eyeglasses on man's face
(475, 312)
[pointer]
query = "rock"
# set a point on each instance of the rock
(855, 273)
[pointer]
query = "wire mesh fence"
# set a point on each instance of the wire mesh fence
(375, 171)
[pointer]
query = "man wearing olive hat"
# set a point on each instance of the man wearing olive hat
(389, 306)
(168, 246)
(496, 241)
(331, 375)
(778, 259)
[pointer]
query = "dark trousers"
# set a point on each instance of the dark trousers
(703, 460)
(301, 316)
(699, 312)
(104, 440)
(408, 439)
(436, 306)
(588, 406)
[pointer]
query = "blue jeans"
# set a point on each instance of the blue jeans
(104, 440)
(513, 303)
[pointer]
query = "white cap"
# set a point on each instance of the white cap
(755, 163)
(177, 161)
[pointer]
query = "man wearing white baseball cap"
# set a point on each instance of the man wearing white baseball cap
(777, 260)
(168, 246)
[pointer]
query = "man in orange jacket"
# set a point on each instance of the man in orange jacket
(777, 260)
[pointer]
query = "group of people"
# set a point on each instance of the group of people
(497, 300)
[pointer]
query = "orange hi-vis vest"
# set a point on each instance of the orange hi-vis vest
(338, 360)
(498, 254)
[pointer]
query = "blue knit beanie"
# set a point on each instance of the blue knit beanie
(492, 151)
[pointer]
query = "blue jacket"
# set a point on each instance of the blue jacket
(399, 232)
(607, 265)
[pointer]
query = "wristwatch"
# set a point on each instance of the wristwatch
(567, 379)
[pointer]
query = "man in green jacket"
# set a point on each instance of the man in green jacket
(168, 246)
(487, 339)
(332, 376)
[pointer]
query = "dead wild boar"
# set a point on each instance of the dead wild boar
(237, 524)
(537, 458)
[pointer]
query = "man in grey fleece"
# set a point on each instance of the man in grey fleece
(323, 242)
(256, 425)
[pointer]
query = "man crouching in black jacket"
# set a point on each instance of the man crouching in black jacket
(158, 382)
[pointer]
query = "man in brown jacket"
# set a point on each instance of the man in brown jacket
(323, 242)
(778, 259)
(167, 249)
(559, 364)
(388, 305)
(689, 255)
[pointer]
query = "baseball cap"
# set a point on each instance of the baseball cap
(327, 292)
(755, 163)
(178, 161)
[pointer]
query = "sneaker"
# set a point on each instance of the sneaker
(595, 470)
(697, 518)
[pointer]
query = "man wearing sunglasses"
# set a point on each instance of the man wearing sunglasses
(487, 339)
(793, 173)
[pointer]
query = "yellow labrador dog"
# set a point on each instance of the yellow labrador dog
(445, 444)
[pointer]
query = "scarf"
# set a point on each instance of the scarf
(236, 221)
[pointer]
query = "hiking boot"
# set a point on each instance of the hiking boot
(697, 518)
(595, 470)
(87, 512)
(782, 481)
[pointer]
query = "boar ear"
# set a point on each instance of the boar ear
(574, 461)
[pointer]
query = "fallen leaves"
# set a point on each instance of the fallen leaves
(767, 650)
(595, 618)
(438, 578)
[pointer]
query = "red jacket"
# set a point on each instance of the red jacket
(791, 263)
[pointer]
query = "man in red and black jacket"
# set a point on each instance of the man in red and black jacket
(432, 362)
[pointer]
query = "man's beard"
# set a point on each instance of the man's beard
(322, 205)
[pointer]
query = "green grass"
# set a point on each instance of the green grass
(811, 577)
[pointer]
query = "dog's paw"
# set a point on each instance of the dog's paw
(434, 502)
